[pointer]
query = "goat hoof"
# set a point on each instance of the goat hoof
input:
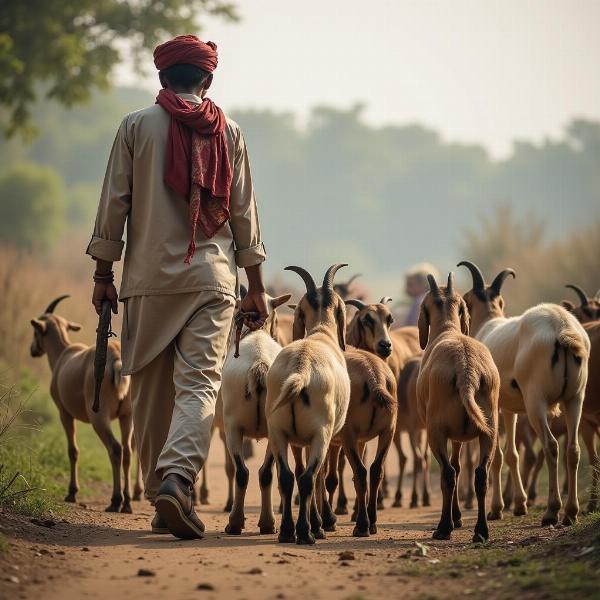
(353, 517)
(480, 538)
(360, 532)
(380, 505)
(427, 502)
(520, 511)
(126, 509)
(397, 503)
(569, 520)
(414, 503)
(320, 533)
(70, 498)
(231, 529)
(137, 496)
(549, 520)
(495, 515)
(341, 510)
(267, 529)
(307, 539)
(204, 497)
(228, 506)
(329, 527)
(373, 529)
(457, 524)
(113, 508)
(286, 538)
(438, 534)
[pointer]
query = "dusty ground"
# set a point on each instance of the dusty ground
(88, 553)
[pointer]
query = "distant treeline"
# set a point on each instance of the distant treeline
(339, 189)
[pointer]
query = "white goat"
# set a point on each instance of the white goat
(243, 393)
(542, 358)
(308, 391)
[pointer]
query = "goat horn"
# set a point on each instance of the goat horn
(330, 274)
(311, 286)
(356, 303)
(355, 276)
(478, 281)
(450, 285)
(385, 300)
(500, 279)
(54, 304)
(433, 286)
(582, 295)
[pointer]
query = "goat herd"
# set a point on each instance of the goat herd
(326, 388)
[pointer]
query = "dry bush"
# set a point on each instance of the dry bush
(543, 268)
(29, 281)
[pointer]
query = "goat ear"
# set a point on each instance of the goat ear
(340, 317)
(464, 318)
(38, 325)
(73, 326)
(423, 327)
(299, 328)
(568, 305)
(275, 302)
(292, 306)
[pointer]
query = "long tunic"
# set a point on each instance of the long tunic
(134, 195)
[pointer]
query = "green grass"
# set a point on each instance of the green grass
(4, 546)
(35, 446)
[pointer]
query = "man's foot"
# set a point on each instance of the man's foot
(175, 506)
(159, 525)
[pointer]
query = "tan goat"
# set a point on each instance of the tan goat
(457, 391)
(72, 389)
(370, 330)
(308, 391)
(542, 358)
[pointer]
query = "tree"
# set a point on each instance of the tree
(31, 206)
(68, 47)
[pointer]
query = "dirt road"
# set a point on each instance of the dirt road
(93, 554)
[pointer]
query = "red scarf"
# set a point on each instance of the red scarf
(197, 162)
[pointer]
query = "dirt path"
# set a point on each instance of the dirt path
(93, 554)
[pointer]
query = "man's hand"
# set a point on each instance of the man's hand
(255, 302)
(105, 291)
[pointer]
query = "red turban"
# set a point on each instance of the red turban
(186, 50)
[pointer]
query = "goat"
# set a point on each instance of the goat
(457, 392)
(72, 389)
(370, 330)
(243, 392)
(588, 313)
(371, 414)
(308, 391)
(542, 358)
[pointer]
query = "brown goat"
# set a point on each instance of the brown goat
(370, 330)
(371, 414)
(457, 391)
(72, 389)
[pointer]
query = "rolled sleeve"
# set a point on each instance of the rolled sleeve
(244, 222)
(115, 201)
(108, 250)
(248, 257)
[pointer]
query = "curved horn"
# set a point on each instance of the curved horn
(54, 304)
(500, 279)
(433, 286)
(478, 281)
(311, 286)
(330, 274)
(356, 303)
(385, 300)
(582, 295)
(450, 284)
(355, 276)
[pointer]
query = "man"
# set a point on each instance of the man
(416, 289)
(179, 177)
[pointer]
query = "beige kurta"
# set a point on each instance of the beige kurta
(158, 233)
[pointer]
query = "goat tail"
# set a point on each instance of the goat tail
(120, 381)
(466, 391)
(378, 392)
(257, 379)
(291, 389)
(572, 341)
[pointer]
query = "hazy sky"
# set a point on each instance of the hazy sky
(477, 70)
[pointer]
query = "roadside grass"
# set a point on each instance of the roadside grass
(4, 545)
(568, 565)
(35, 447)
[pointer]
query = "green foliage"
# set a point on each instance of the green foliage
(71, 46)
(31, 206)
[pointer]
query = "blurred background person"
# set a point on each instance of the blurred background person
(416, 287)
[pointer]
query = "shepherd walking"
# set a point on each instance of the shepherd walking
(178, 177)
